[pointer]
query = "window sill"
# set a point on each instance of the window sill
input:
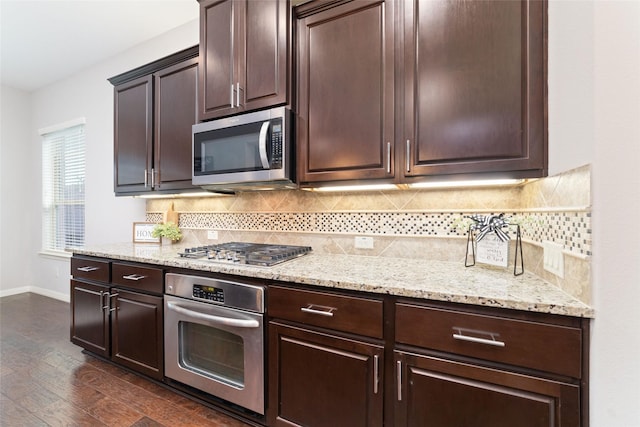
(59, 255)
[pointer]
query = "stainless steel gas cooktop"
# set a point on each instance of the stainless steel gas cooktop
(246, 253)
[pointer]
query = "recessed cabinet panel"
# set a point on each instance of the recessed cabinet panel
(265, 73)
(89, 319)
(137, 332)
(474, 87)
(133, 134)
(321, 380)
(469, 91)
(216, 49)
(345, 72)
(436, 392)
(176, 111)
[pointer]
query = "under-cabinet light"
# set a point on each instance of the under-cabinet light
(353, 188)
(181, 195)
(469, 183)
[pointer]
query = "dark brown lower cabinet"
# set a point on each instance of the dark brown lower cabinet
(436, 392)
(89, 322)
(136, 332)
(323, 380)
(123, 323)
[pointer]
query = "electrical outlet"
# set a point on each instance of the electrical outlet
(212, 234)
(553, 258)
(362, 242)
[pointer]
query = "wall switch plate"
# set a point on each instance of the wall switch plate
(553, 258)
(212, 234)
(362, 242)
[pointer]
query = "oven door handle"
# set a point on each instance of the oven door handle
(239, 323)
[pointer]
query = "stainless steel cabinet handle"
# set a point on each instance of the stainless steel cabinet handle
(316, 309)
(231, 99)
(146, 179)
(459, 335)
(376, 373)
(388, 157)
(399, 378)
(135, 277)
(407, 155)
(87, 269)
(103, 306)
(238, 94)
(153, 178)
(111, 296)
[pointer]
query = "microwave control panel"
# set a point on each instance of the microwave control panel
(276, 145)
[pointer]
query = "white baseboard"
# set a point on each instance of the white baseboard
(36, 290)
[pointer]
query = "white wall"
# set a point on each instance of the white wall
(17, 183)
(616, 331)
(594, 109)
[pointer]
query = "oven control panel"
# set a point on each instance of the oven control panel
(209, 293)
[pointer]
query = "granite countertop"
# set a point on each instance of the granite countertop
(434, 280)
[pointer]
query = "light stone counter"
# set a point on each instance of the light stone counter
(433, 280)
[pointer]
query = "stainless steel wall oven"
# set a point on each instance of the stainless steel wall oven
(214, 338)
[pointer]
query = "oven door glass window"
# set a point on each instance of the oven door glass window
(212, 352)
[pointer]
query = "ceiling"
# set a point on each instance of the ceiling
(43, 41)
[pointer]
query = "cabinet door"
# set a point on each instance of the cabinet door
(176, 111)
(474, 88)
(264, 68)
(133, 135)
(321, 380)
(243, 46)
(345, 73)
(89, 318)
(137, 332)
(217, 78)
(434, 392)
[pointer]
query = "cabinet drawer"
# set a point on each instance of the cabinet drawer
(552, 348)
(138, 277)
(362, 316)
(92, 269)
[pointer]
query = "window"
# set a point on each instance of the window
(63, 176)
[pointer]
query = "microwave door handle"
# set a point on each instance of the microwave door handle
(262, 143)
(221, 320)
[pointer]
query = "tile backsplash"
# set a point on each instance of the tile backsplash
(403, 223)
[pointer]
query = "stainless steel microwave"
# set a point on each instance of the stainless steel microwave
(247, 152)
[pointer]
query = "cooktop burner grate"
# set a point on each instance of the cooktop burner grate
(246, 253)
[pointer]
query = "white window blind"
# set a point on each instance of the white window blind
(63, 177)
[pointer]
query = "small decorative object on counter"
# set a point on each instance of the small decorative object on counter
(169, 231)
(143, 233)
(491, 243)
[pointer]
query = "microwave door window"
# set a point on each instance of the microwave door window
(231, 153)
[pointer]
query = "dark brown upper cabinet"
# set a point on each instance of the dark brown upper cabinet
(345, 72)
(474, 88)
(154, 108)
(244, 56)
(408, 91)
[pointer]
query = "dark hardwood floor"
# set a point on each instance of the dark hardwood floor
(47, 381)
